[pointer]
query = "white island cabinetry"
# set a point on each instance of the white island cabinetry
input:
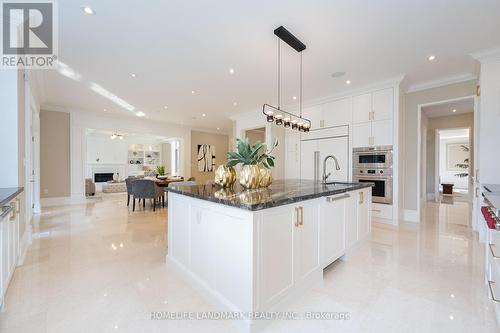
(257, 260)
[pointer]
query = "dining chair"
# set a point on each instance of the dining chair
(146, 189)
(128, 182)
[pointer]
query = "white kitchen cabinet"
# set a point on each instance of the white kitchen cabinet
(372, 133)
(361, 135)
(333, 228)
(277, 243)
(307, 239)
(383, 104)
(351, 227)
(289, 248)
(336, 113)
(382, 133)
(201, 252)
(361, 108)
(363, 201)
(9, 247)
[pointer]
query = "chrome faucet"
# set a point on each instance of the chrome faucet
(337, 167)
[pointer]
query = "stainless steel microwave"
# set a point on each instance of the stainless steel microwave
(373, 157)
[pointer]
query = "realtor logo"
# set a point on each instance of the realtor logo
(29, 34)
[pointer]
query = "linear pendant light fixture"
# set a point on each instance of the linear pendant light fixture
(277, 114)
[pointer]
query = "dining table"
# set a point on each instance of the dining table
(165, 182)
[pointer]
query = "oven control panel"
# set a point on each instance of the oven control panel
(372, 172)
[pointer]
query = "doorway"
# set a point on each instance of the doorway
(256, 134)
(446, 152)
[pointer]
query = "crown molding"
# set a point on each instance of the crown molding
(487, 56)
(457, 78)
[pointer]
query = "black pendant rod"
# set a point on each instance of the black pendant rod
(289, 38)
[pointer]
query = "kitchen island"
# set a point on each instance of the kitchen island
(255, 250)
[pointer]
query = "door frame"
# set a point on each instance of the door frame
(419, 140)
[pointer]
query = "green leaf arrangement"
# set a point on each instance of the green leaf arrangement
(251, 155)
(464, 165)
(160, 169)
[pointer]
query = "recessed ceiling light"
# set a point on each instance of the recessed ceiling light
(431, 58)
(133, 75)
(165, 107)
(218, 128)
(338, 74)
(192, 91)
(88, 10)
(104, 110)
(140, 114)
(348, 82)
(454, 110)
(235, 103)
(231, 70)
(203, 114)
(294, 97)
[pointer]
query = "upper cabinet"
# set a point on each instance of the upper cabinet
(378, 105)
(383, 104)
(336, 113)
(361, 108)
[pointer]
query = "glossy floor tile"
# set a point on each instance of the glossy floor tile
(95, 266)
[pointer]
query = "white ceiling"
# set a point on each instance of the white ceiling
(178, 46)
(446, 109)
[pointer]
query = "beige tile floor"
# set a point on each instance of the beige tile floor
(95, 266)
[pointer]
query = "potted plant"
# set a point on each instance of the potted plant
(465, 165)
(256, 164)
(160, 170)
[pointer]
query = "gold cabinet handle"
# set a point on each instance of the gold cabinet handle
(493, 298)
(297, 210)
(361, 197)
(492, 252)
(13, 211)
(301, 222)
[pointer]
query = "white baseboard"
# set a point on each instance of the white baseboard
(411, 215)
(24, 244)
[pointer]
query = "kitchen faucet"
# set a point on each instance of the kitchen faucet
(337, 167)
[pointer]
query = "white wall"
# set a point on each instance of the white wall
(80, 121)
(9, 128)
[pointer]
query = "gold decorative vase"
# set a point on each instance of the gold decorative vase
(266, 177)
(250, 176)
(225, 176)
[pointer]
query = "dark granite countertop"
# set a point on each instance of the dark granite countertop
(281, 192)
(9, 193)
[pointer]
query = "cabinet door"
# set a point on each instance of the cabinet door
(383, 104)
(332, 229)
(337, 113)
(313, 113)
(201, 251)
(361, 134)
(277, 232)
(351, 224)
(363, 209)
(307, 159)
(4, 253)
(361, 108)
(307, 250)
(382, 132)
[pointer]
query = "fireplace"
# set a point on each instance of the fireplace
(102, 177)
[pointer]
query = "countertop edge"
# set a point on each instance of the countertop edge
(15, 193)
(257, 207)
